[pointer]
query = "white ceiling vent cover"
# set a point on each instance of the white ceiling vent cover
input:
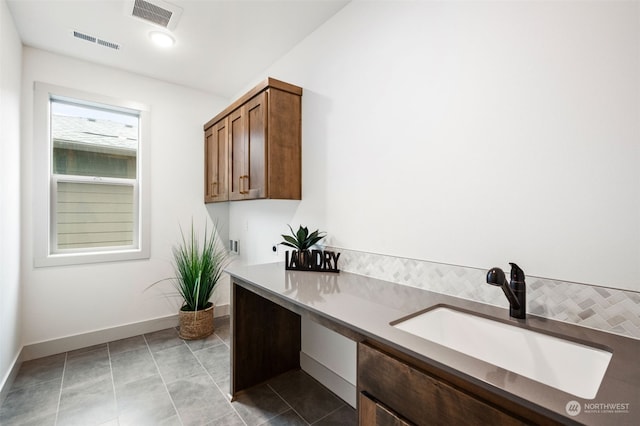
(95, 40)
(156, 12)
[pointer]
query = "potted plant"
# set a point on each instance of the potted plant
(197, 272)
(302, 241)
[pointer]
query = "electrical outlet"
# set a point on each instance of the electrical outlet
(234, 246)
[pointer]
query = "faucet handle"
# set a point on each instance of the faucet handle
(517, 274)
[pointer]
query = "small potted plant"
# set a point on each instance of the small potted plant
(303, 258)
(302, 240)
(197, 272)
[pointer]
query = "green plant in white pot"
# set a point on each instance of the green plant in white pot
(198, 269)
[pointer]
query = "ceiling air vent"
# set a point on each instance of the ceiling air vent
(156, 12)
(96, 40)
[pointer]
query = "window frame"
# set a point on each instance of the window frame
(45, 253)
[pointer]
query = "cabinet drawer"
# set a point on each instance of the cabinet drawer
(373, 413)
(419, 397)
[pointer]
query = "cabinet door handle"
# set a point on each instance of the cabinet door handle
(214, 193)
(244, 186)
(241, 180)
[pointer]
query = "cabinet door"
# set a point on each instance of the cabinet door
(255, 180)
(248, 144)
(372, 413)
(237, 154)
(216, 142)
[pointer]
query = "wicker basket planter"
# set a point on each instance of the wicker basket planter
(196, 324)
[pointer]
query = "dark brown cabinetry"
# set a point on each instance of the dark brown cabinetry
(394, 392)
(263, 140)
(215, 162)
(372, 412)
(265, 339)
(248, 167)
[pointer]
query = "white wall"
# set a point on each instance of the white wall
(10, 300)
(71, 300)
(469, 133)
(473, 133)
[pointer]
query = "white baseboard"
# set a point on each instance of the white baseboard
(329, 379)
(10, 377)
(70, 343)
(78, 341)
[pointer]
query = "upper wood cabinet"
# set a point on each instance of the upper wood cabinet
(262, 159)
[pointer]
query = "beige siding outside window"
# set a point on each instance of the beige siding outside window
(91, 215)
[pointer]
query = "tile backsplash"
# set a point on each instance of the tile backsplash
(607, 309)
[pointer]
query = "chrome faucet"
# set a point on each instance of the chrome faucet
(515, 291)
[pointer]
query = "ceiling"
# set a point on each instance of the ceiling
(221, 45)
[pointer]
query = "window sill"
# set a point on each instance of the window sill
(92, 257)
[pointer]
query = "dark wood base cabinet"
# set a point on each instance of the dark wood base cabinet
(371, 412)
(393, 387)
(265, 340)
(394, 392)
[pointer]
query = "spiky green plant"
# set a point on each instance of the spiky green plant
(197, 270)
(302, 240)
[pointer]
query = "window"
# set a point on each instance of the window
(94, 208)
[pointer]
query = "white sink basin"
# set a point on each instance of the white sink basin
(562, 364)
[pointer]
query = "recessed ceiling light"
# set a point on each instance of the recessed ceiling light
(161, 39)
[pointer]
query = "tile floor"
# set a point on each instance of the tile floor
(157, 379)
